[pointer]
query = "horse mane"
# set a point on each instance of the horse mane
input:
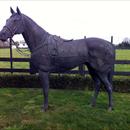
(33, 22)
(55, 37)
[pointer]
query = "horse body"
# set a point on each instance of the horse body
(59, 56)
(50, 53)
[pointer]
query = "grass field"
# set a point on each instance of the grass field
(6, 53)
(20, 109)
(122, 55)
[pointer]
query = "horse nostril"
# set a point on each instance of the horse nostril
(2, 34)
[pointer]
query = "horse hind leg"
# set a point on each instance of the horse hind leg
(108, 86)
(97, 82)
(96, 91)
(110, 77)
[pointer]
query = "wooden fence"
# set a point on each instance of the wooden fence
(81, 69)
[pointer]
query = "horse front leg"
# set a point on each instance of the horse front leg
(44, 77)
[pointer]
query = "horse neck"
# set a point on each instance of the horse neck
(33, 34)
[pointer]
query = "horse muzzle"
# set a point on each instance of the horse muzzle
(4, 36)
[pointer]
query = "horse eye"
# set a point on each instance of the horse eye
(15, 20)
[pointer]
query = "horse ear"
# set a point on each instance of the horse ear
(11, 10)
(18, 11)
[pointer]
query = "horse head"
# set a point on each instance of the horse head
(14, 25)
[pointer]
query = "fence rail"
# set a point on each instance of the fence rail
(81, 69)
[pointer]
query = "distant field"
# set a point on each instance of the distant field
(6, 53)
(120, 55)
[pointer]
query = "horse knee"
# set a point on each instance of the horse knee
(109, 90)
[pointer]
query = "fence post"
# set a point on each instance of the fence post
(111, 39)
(11, 55)
(114, 58)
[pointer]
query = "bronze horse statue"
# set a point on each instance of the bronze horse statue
(50, 53)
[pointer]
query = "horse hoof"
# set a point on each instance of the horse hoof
(93, 105)
(44, 109)
(110, 109)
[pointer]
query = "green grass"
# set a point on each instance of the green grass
(6, 53)
(123, 54)
(20, 109)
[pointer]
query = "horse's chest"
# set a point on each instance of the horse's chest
(41, 57)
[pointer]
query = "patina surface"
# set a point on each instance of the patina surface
(50, 53)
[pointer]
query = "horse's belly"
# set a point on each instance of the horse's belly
(66, 63)
(58, 64)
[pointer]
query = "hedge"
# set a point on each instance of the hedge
(60, 82)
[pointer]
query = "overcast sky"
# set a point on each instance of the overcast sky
(75, 19)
